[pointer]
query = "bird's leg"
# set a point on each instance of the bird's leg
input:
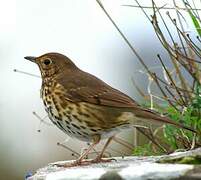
(80, 161)
(99, 158)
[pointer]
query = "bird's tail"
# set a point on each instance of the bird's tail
(147, 115)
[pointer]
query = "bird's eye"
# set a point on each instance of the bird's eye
(47, 61)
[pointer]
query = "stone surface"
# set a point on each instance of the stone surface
(135, 168)
(188, 157)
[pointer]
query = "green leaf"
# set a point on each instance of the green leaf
(145, 150)
(195, 22)
(194, 19)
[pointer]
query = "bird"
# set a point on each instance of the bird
(85, 107)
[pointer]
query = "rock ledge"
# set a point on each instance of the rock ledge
(127, 168)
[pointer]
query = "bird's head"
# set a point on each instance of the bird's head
(52, 64)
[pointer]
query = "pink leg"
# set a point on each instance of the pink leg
(99, 158)
(80, 161)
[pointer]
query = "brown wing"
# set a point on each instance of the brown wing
(84, 87)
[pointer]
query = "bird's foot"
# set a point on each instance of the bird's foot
(99, 159)
(85, 162)
(74, 163)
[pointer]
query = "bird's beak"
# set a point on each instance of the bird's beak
(30, 58)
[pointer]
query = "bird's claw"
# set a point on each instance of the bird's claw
(84, 162)
(74, 164)
(101, 160)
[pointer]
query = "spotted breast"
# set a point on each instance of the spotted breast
(79, 120)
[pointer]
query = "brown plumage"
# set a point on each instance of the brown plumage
(85, 107)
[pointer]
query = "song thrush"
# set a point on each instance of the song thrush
(85, 107)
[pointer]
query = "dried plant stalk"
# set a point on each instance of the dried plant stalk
(178, 92)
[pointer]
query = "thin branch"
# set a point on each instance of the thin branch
(68, 148)
(123, 143)
(23, 72)
(124, 37)
(172, 81)
(163, 8)
(148, 133)
(140, 91)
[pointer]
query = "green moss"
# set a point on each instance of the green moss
(145, 150)
(184, 160)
